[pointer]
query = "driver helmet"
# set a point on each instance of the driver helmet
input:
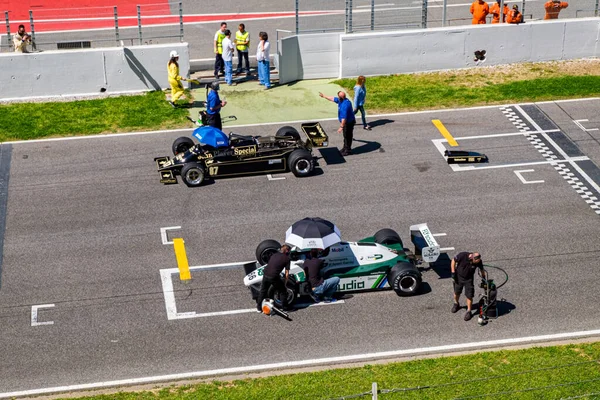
(215, 86)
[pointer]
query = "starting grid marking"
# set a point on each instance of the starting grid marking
(562, 164)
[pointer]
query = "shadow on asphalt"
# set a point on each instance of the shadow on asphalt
(380, 122)
(367, 147)
(332, 156)
(441, 266)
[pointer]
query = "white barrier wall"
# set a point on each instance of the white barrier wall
(407, 51)
(88, 71)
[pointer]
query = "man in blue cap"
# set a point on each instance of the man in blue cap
(346, 118)
(214, 105)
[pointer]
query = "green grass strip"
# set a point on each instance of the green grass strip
(23, 121)
(536, 373)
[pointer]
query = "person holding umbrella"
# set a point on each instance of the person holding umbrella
(272, 276)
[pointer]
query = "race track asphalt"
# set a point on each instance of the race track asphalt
(83, 224)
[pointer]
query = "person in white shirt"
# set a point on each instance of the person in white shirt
(21, 39)
(262, 56)
(228, 49)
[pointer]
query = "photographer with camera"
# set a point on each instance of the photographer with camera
(21, 39)
(463, 267)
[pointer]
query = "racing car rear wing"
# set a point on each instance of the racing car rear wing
(426, 246)
(316, 134)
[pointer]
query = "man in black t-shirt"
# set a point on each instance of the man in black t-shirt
(320, 288)
(272, 276)
(463, 268)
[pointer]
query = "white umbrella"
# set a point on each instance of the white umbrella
(313, 233)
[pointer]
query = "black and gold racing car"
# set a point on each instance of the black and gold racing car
(238, 155)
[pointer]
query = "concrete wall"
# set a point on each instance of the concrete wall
(407, 51)
(88, 71)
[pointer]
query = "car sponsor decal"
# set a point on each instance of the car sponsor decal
(245, 151)
(278, 161)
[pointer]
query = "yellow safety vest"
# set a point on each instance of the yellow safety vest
(220, 37)
(242, 37)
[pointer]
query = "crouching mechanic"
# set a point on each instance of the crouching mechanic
(463, 268)
(272, 276)
(321, 288)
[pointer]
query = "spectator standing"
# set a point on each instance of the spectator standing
(480, 10)
(346, 118)
(262, 56)
(174, 78)
(21, 39)
(214, 105)
(360, 94)
(553, 8)
(272, 276)
(495, 11)
(463, 268)
(321, 288)
(219, 36)
(242, 41)
(228, 50)
(514, 16)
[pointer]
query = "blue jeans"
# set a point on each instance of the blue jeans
(229, 72)
(363, 114)
(327, 288)
(264, 77)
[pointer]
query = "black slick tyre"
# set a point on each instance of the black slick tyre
(182, 144)
(291, 294)
(405, 279)
(301, 163)
(193, 174)
(266, 249)
(288, 131)
(387, 237)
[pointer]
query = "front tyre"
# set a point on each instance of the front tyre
(387, 237)
(291, 295)
(288, 131)
(182, 144)
(301, 163)
(266, 249)
(405, 279)
(193, 174)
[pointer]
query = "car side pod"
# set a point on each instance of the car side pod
(316, 134)
(426, 247)
(460, 157)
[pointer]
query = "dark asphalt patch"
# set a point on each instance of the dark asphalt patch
(5, 155)
(592, 171)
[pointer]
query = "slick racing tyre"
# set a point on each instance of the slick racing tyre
(291, 294)
(289, 131)
(266, 249)
(301, 163)
(387, 237)
(405, 279)
(192, 174)
(182, 144)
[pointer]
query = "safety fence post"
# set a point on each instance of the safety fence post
(116, 15)
(501, 11)
(32, 29)
(372, 15)
(374, 390)
(180, 22)
(424, 15)
(346, 15)
(444, 6)
(523, 9)
(7, 26)
(139, 18)
(350, 16)
(297, 6)
(596, 9)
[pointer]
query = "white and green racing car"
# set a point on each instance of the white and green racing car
(376, 262)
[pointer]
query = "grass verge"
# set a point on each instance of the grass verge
(24, 121)
(535, 373)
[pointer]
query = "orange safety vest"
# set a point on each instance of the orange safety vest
(514, 17)
(552, 8)
(479, 11)
(495, 11)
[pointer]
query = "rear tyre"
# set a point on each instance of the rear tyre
(387, 237)
(289, 131)
(405, 279)
(182, 144)
(266, 249)
(192, 174)
(291, 294)
(301, 163)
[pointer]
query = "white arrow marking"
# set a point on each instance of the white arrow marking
(163, 234)
(519, 174)
(34, 315)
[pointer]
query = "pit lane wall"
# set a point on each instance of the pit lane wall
(336, 55)
(88, 72)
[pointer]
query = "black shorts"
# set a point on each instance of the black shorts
(467, 284)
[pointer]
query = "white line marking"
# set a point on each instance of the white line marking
(447, 249)
(578, 122)
(34, 315)
(279, 178)
(520, 172)
(163, 234)
(561, 151)
(439, 234)
(377, 5)
(501, 135)
(310, 362)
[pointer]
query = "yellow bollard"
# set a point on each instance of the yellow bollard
(182, 261)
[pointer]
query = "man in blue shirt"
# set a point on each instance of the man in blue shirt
(346, 118)
(214, 105)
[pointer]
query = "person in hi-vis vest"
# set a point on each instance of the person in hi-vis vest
(242, 42)
(219, 64)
